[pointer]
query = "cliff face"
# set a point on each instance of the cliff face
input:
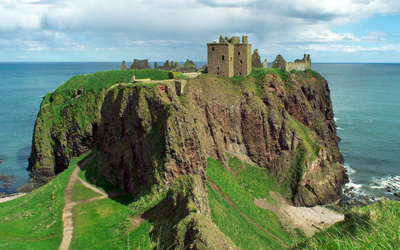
(147, 136)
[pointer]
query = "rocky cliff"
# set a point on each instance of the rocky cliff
(147, 136)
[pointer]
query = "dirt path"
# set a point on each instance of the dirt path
(69, 203)
(308, 219)
(228, 199)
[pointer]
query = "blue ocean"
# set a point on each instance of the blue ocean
(366, 103)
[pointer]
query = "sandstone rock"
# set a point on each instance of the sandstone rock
(147, 137)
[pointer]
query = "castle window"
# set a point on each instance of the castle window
(238, 53)
(241, 61)
(217, 68)
(212, 48)
(223, 58)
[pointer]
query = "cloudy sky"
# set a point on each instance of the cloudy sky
(116, 30)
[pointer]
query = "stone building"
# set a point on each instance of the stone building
(140, 64)
(188, 67)
(229, 57)
(123, 65)
(298, 64)
(256, 60)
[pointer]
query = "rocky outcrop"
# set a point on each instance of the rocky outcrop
(182, 219)
(150, 140)
(148, 137)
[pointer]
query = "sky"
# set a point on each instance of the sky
(366, 31)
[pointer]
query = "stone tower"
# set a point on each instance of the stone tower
(229, 57)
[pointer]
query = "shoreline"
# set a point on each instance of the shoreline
(308, 219)
(10, 197)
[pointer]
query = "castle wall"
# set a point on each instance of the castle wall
(279, 62)
(229, 57)
(220, 59)
(298, 64)
(242, 59)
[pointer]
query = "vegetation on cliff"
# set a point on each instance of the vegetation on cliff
(375, 226)
(68, 120)
(33, 221)
(155, 144)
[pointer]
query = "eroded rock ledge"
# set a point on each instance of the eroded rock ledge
(148, 136)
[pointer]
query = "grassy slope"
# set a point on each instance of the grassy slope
(372, 227)
(103, 224)
(34, 221)
(244, 183)
(80, 192)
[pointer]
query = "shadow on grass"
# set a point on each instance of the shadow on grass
(91, 174)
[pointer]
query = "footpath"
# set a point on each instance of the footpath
(69, 203)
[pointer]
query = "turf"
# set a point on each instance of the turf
(371, 227)
(34, 221)
(80, 192)
(244, 183)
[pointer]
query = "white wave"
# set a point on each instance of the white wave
(349, 170)
(339, 128)
(391, 183)
(336, 119)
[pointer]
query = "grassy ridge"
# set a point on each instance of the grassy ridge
(34, 221)
(244, 183)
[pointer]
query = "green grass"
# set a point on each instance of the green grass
(90, 174)
(34, 221)
(80, 192)
(261, 72)
(243, 184)
(101, 225)
(371, 227)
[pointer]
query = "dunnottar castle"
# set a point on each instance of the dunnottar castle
(228, 57)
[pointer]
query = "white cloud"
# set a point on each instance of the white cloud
(76, 25)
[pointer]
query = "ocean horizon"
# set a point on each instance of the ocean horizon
(365, 99)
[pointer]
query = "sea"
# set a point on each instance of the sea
(365, 97)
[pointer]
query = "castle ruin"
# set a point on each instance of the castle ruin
(140, 64)
(298, 64)
(256, 60)
(229, 57)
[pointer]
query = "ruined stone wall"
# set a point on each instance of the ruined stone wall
(298, 64)
(220, 59)
(256, 60)
(279, 62)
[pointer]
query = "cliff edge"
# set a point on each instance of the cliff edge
(147, 137)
